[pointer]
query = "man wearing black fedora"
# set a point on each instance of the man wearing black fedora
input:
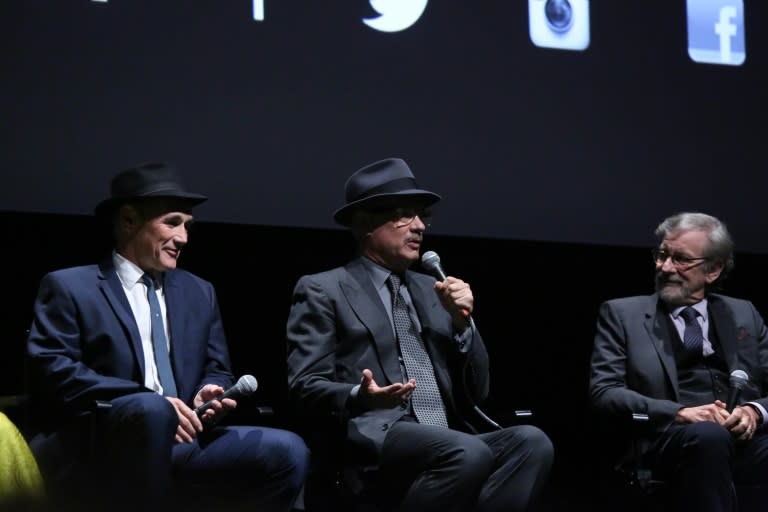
(391, 355)
(145, 341)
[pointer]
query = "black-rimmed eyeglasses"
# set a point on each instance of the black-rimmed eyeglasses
(405, 216)
(678, 260)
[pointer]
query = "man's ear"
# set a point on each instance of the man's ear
(715, 271)
(128, 218)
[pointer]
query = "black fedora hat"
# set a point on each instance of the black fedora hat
(154, 179)
(375, 182)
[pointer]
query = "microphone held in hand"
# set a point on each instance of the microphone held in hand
(245, 386)
(738, 380)
(431, 263)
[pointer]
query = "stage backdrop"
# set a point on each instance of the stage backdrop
(570, 121)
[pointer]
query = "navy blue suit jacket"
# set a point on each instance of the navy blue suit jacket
(84, 343)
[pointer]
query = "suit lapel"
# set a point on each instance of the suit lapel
(725, 328)
(112, 289)
(657, 326)
(425, 301)
(364, 300)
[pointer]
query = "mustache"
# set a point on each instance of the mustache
(662, 278)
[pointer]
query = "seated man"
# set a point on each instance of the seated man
(147, 338)
(394, 353)
(671, 354)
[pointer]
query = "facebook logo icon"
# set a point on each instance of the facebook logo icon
(716, 31)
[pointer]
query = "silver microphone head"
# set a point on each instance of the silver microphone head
(246, 384)
(739, 378)
(431, 263)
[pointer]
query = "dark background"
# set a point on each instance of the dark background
(270, 117)
(555, 166)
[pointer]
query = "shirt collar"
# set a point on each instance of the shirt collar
(377, 273)
(128, 272)
(700, 307)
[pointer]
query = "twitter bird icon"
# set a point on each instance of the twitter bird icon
(395, 15)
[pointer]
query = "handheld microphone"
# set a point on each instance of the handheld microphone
(245, 386)
(738, 380)
(431, 263)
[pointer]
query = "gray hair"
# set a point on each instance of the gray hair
(720, 248)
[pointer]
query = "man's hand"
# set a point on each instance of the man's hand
(742, 422)
(375, 397)
(218, 408)
(189, 424)
(456, 297)
(708, 412)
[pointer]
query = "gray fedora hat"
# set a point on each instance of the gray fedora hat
(147, 180)
(375, 182)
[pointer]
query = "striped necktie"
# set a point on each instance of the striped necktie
(693, 337)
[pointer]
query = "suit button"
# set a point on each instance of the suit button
(385, 427)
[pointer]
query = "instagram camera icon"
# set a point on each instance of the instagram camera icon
(562, 24)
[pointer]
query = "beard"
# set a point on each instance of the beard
(672, 291)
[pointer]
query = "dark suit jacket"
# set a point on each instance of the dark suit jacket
(338, 327)
(633, 366)
(84, 343)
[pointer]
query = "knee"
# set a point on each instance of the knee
(708, 438)
(293, 455)
(149, 410)
(538, 444)
(474, 457)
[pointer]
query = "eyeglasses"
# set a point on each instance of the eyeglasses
(678, 260)
(405, 216)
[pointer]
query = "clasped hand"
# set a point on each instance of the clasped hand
(742, 422)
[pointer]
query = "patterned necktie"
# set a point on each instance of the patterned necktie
(427, 404)
(159, 341)
(693, 338)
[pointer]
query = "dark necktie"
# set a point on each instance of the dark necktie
(159, 341)
(693, 338)
(427, 404)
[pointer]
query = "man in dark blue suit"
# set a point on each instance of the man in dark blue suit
(147, 338)
(391, 353)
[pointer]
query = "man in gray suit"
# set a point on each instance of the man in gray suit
(347, 360)
(670, 355)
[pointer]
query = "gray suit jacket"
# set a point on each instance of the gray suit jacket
(337, 327)
(633, 366)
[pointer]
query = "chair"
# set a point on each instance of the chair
(623, 479)
(639, 488)
(640, 476)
